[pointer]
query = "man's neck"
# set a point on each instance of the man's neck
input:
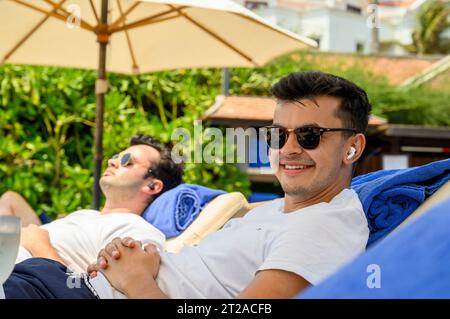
(293, 203)
(111, 207)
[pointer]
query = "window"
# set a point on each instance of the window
(252, 5)
(354, 9)
(359, 47)
(317, 39)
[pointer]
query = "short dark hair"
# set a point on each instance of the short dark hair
(169, 172)
(354, 109)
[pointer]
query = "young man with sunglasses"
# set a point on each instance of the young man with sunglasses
(132, 180)
(279, 248)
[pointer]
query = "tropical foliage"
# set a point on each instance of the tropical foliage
(432, 22)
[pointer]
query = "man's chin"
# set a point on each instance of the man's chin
(296, 192)
(104, 183)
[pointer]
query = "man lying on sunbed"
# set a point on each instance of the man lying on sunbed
(132, 180)
(279, 248)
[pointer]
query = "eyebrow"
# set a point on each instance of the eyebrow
(312, 99)
(304, 125)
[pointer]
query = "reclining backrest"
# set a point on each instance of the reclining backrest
(211, 218)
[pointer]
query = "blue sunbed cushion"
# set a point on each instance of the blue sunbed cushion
(390, 196)
(413, 263)
(174, 210)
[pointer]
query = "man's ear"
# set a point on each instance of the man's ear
(353, 148)
(154, 187)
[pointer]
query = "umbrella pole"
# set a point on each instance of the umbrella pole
(101, 87)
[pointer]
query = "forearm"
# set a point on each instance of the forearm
(145, 290)
(47, 251)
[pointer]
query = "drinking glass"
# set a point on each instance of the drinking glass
(9, 245)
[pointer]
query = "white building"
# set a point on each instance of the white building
(337, 25)
(344, 25)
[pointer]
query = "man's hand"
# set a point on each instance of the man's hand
(33, 238)
(37, 241)
(111, 250)
(128, 267)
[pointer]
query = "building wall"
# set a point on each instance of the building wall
(316, 25)
(346, 30)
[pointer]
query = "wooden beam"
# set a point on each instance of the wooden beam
(307, 41)
(66, 14)
(142, 23)
(133, 57)
(52, 14)
(123, 16)
(28, 35)
(94, 12)
(215, 36)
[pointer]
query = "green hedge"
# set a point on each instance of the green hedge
(47, 121)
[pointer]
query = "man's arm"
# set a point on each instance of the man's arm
(37, 241)
(274, 283)
(140, 283)
(11, 203)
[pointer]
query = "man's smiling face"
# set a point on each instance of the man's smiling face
(309, 172)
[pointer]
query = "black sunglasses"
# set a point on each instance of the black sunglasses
(125, 160)
(307, 136)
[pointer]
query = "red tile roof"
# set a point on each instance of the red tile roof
(251, 109)
(395, 69)
(397, 3)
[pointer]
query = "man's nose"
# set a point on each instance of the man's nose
(291, 146)
(113, 162)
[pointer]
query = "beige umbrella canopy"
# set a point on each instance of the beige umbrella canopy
(137, 37)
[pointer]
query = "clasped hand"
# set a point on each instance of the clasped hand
(126, 265)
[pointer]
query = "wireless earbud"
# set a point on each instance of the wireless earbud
(151, 186)
(351, 153)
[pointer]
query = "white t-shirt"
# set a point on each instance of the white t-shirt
(311, 242)
(80, 236)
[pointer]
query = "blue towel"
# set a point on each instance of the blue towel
(413, 263)
(389, 196)
(261, 197)
(176, 209)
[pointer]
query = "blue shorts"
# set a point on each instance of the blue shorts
(41, 278)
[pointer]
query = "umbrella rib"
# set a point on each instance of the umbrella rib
(56, 15)
(123, 16)
(312, 44)
(146, 21)
(94, 11)
(216, 36)
(133, 57)
(28, 35)
(67, 14)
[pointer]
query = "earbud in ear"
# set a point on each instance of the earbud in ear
(351, 153)
(151, 186)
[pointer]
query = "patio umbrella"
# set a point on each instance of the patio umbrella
(136, 37)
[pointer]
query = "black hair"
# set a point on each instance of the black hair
(354, 109)
(169, 172)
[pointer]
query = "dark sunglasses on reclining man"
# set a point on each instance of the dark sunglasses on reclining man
(307, 136)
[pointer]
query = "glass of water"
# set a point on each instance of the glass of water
(9, 245)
